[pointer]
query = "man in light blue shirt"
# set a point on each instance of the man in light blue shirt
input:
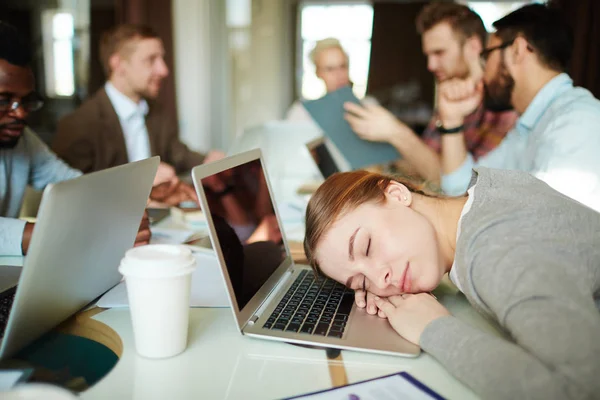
(557, 137)
(24, 158)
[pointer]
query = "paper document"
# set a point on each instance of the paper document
(170, 236)
(400, 386)
(208, 288)
(10, 377)
(328, 112)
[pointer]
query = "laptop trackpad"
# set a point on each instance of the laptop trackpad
(9, 277)
(371, 331)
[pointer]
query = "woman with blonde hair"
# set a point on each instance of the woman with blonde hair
(524, 255)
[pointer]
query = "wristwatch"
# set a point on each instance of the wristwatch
(444, 131)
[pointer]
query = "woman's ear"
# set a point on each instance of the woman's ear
(396, 191)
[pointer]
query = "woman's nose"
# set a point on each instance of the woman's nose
(381, 277)
(386, 277)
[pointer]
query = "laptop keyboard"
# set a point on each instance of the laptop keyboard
(6, 302)
(313, 306)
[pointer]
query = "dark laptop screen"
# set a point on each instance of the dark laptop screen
(249, 234)
(320, 153)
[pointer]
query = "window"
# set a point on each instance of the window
(58, 53)
(490, 11)
(352, 25)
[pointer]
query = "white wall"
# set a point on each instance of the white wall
(200, 72)
(229, 78)
(261, 65)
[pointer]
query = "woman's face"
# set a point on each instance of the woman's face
(386, 248)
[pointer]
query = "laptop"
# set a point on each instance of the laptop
(271, 297)
(324, 155)
(84, 226)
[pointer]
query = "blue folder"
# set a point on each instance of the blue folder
(328, 112)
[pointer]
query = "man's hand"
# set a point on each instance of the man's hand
(165, 173)
(374, 123)
(409, 314)
(27, 232)
(172, 194)
(144, 234)
(213, 155)
(458, 98)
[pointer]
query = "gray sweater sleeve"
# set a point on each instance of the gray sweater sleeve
(554, 352)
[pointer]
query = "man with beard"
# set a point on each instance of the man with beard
(557, 137)
(121, 123)
(24, 158)
(450, 32)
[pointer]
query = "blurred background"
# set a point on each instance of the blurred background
(238, 63)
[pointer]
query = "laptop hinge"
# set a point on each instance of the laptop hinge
(281, 284)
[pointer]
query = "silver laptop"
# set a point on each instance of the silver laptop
(324, 155)
(84, 226)
(271, 297)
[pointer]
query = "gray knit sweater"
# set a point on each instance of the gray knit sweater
(527, 257)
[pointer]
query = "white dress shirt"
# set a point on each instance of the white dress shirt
(132, 117)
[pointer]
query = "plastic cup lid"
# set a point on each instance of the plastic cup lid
(157, 260)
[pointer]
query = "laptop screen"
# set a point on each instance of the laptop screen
(247, 229)
(322, 157)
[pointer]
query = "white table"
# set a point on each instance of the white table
(220, 363)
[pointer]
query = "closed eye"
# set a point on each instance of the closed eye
(368, 247)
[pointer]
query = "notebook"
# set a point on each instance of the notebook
(271, 297)
(328, 112)
(84, 226)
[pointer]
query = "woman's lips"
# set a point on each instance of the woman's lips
(406, 281)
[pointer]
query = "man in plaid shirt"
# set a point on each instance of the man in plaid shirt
(449, 32)
(484, 130)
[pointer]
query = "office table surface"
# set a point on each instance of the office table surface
(220, 363)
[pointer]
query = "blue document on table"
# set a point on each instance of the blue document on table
(399, 386)
(328, 112)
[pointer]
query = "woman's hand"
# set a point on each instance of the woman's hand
(409, 314)
(365, 299)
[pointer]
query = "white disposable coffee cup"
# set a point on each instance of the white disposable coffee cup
(158, 279)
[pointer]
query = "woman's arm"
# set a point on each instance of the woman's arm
(552, 319)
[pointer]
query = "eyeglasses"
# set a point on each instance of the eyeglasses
(485, 54)
(29, 104)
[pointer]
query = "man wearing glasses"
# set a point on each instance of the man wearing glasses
(449, 33)
(557, 137)
(24, 158)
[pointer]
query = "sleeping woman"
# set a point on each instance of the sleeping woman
(522, 253)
